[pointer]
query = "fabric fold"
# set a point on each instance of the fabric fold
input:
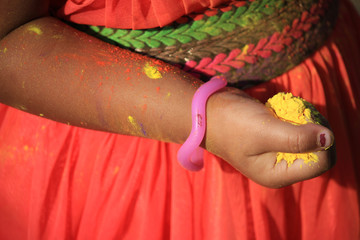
(125, 14)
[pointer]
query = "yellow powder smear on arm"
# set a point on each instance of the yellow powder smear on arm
(136, 127)
(35, 29)
(133, 123)
(296, 111)
(151, 71)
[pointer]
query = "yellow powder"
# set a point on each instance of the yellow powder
(35, 29)
(245, 49)
(133, 123)
(291, 157)
(296, 111)
(291, 109)
(136, 126)
(151, 71)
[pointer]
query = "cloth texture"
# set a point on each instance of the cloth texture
(64, 182)
(127, 14)
(246, 41)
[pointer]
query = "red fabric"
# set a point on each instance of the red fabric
(127, 14)
(63, 182)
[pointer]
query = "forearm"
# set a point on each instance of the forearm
(55, 71)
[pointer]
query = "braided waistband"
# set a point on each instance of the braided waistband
(247, 41)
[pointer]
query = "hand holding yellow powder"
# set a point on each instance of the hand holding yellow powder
(296, 111)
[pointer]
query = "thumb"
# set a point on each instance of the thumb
(281, 136)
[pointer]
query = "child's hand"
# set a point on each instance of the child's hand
(247, 135)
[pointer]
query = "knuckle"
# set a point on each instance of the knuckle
(294, 142)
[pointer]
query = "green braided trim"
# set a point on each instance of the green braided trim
(263, 47)
(222, 22)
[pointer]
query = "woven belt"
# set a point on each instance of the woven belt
(246, 41)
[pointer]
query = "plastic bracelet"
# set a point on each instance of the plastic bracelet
(190, 155)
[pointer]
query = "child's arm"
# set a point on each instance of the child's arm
(50, 69)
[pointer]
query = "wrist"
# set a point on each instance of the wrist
(190, 155)
(221, 107)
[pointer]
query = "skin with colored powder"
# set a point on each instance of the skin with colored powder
(70, 77)
(138, 128)
(297, 111)
(35, 30)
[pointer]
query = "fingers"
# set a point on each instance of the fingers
(266, 173)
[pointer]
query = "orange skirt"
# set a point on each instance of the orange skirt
(63, 182)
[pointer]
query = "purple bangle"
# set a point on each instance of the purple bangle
(190, 155)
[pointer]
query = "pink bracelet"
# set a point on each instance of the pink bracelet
(190, 155)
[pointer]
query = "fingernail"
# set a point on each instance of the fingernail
(322, 139)
(325, 140)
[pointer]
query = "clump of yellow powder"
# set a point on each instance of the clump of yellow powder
(152, 71)
(296, 111)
